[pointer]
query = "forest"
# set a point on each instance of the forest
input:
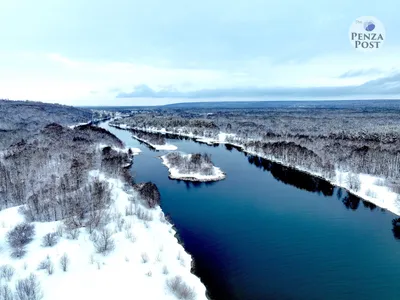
(19, 119)
(150, 138)
(49, 172)
(319, 138)
(46, 166)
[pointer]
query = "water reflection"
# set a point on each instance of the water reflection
(309, 183)
(230, 147)
(194, 184)
(148, 146)
(351, 202)
(176, 137)
(369, 205)
(292, 176)
(396, 228)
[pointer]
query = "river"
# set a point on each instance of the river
(270, 232)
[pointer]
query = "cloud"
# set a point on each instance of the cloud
(361, 72)
(389, 85)
(386, 85)
(63, 60)
(144, 91)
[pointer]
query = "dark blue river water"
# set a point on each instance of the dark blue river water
(269, 232)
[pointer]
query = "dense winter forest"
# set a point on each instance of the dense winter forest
(49, 171)
(151, 138)
(19, 119)
(314, 137)
(46, 165)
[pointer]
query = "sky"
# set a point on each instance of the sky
(130, 52)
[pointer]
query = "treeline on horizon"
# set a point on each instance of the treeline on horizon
(21, 119)
(355, 139)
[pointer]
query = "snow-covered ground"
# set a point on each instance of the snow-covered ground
(174, 173)
(147, 254)
(372, 188)
(135, 151)
(79, 124)
(121, 126)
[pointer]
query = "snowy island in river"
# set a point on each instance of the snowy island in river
(156, 141)
(192, 167)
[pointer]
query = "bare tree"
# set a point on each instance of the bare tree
(353, 181)
(50, 239)
(129, 209)
(47, 265)
(103, 241)
(149, 193)
(64, 262)
(72, 229)
(95, 220)
(21, 235)
(18, 252)
(6, 293)
(60, 230)
(180, 289)
(7, 272)
(145, 257)
(165, 270)
(144, 214)
(28, 289)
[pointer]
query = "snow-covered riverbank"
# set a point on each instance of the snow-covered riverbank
(167, 147)
(371, 188)
(145, 261)
(175, 173)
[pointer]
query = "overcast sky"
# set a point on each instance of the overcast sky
(130, 52)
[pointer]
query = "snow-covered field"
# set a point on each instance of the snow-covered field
(145, 257)
(174, 173)
(372, 188)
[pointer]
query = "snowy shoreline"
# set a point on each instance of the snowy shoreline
(167, 147)
(370, 189)
(196, 177)
(147, 252)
